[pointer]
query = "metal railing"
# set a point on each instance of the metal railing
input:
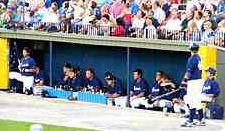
(205, 37)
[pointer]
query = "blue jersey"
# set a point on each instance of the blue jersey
(117, 89)
(194, 67)
(41, 76)
(140, 87)
(211, 86)
(28, 63)
(76, 83)
(154, 90)
(95, 82)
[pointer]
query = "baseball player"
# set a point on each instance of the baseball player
(75, 82)
(27, 71)
(138, 90)
(194, 84)
(210, 91)
(113, 89)
(92, 83)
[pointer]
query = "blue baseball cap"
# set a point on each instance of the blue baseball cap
(211, 70)
(194, 46)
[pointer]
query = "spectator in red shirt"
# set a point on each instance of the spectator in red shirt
(119, 30)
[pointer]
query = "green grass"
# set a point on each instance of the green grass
(8, 125)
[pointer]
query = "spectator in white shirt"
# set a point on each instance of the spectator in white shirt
(159, 14)
(149, 30)
(138, 20)
(198, 19)
(174, 22)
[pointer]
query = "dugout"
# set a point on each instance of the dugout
(110, 54)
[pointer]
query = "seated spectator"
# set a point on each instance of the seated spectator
(6, 16)
(174, 22)
(149, 30)
(189, 17)
(133, 7)
(119, 30)
(198, 19)
(208, 34)
(113, 88)
(75, 82)
(207, 16)
(155, 22)
(159, 14)
(105, 24)
(221, 6)
(117, 8)
(138, 20)
(192, 33)
(138, 90)
(92, 83)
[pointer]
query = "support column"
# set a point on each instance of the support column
(128, 76)
(50, 62)
(4, 64)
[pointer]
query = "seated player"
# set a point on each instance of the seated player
(40, 78)
(138, 90)
(113, 88)
(179, 105)
(75, 83)
(210, 91)
(40, 81)
(92, 83)
(64, 80)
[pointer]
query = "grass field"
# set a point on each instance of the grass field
(8, 125)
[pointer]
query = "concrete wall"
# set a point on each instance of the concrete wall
(221, 73)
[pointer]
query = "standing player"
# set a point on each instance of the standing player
(194, 84)
(27, 71)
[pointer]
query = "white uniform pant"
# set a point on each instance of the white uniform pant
(181, 107)
(15, 75)
(193, 97)
(28, 82)
(119, 102)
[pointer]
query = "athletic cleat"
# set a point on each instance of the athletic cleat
(187, 124)
(200, 123)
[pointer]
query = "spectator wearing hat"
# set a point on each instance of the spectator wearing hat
(113, 88)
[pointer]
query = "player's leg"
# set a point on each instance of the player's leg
(121, 101)
(28, 82)
(135, 102)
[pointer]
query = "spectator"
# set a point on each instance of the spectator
(189, 17)
(138, 20)
(117, 8)
(105, 24)
(208, 34)
(149, 30)
(92, 83)
(207, 16)
(221, 6)
(155, 22)
(159, 14)
(174, 22)
(6, 17)
(119, 29)
(138, 90)
(198, 19)
(133, 6)
(193, 34)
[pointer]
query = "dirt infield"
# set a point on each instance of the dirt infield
(92, 116)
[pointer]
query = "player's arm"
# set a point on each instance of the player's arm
(113, 95)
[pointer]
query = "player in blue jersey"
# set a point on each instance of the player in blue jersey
(210, 91)
(138, 90)
(92, 83)
(113, 89)
(27, 71)
(194, 83)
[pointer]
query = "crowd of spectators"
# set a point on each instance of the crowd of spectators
(190, 20)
